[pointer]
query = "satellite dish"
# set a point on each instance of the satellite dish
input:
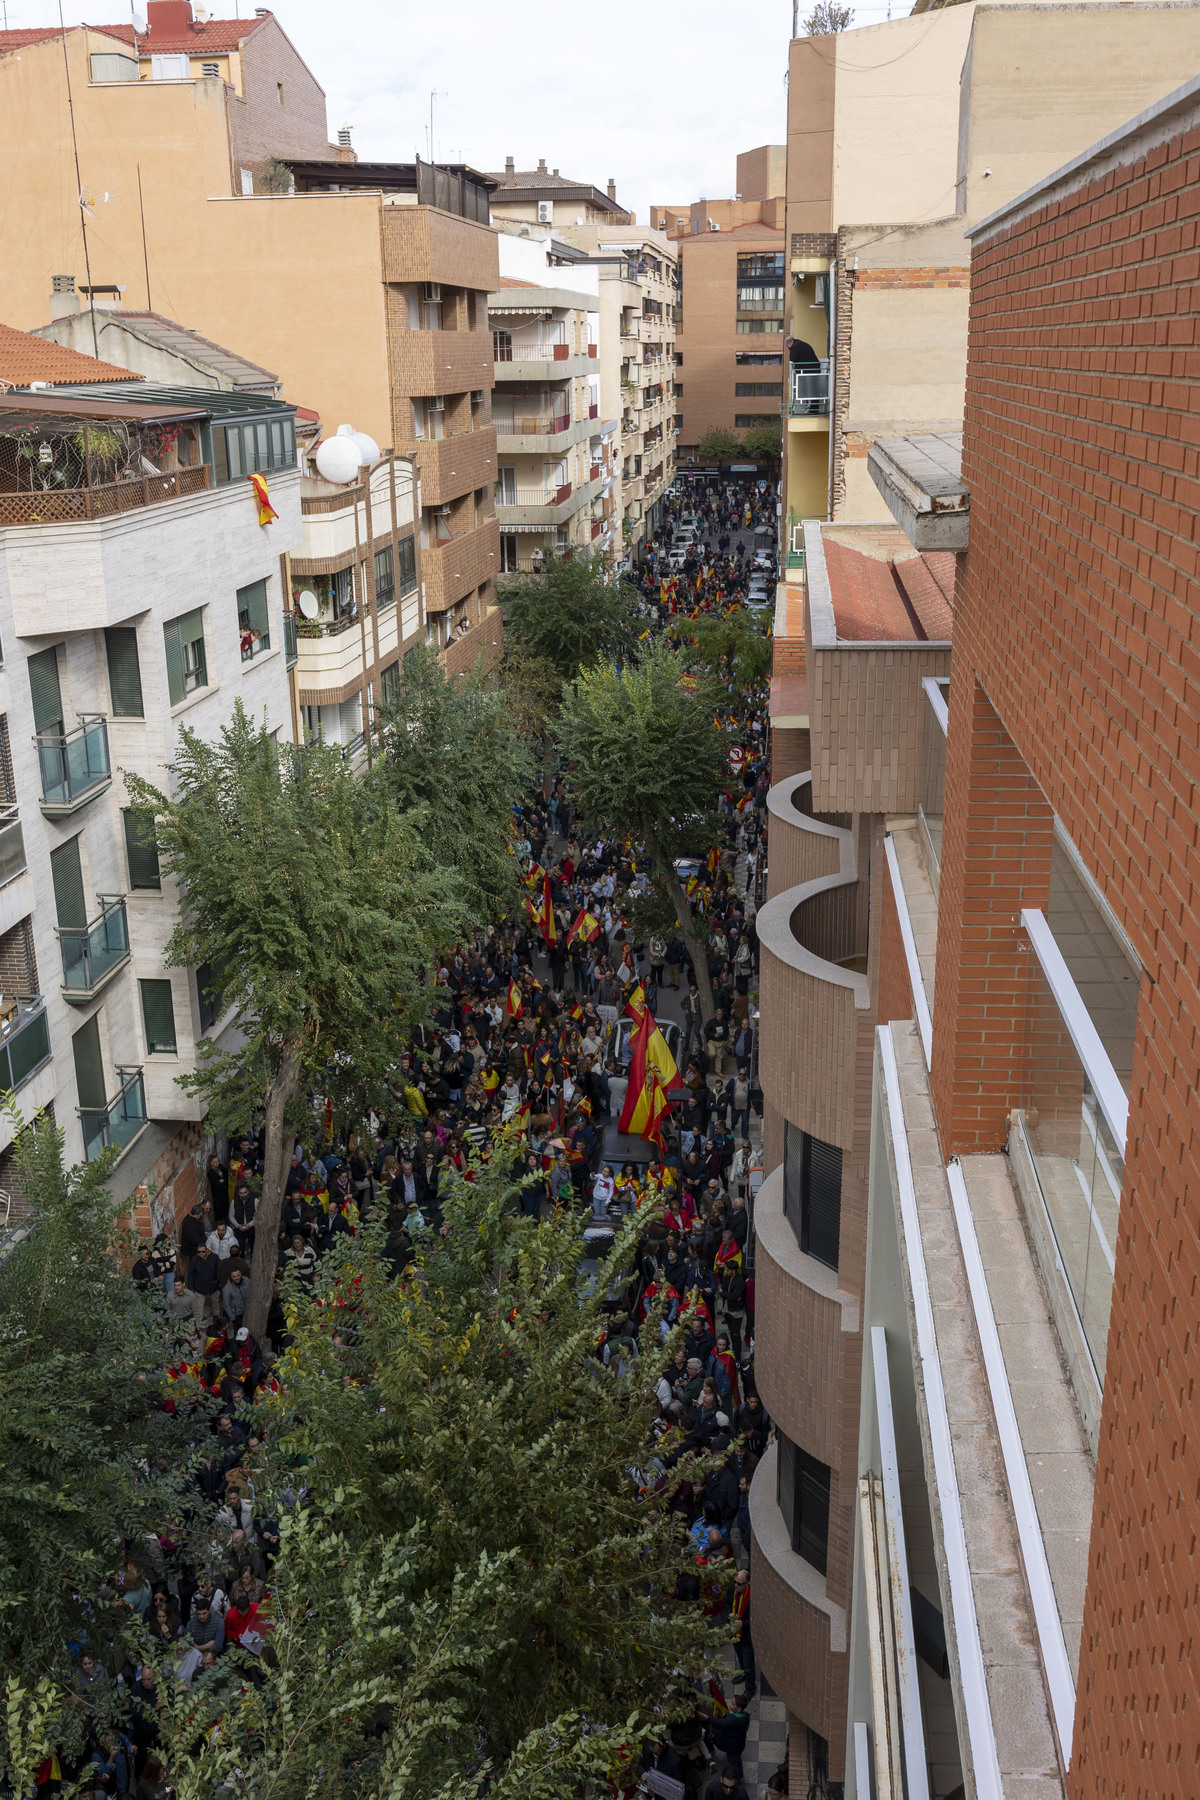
(368, 449)
(307, 602)
(139, 25)
(337, 459)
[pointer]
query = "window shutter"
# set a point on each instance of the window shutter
(158, 1016)
(174, 661)
(69, 899)
(812, 1486)
(46, 693)
(821, 1200)
(89, 1066)
(124, 672)
(141, 851)
(406, 564)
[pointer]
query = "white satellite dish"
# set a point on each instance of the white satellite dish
(308, 604)
(140, 25)
(337, 459)
(368, 449)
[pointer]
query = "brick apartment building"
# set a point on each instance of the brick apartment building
(729, 350)
(978, 1236)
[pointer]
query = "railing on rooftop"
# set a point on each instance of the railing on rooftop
(58, 506)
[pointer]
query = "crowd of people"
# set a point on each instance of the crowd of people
(525, 1055)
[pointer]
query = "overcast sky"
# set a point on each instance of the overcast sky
(661, 95)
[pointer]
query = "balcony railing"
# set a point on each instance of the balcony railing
(60, 505)
(530, 424)
(24, 1040)
(528, 497)
(75, 767)
(290, 651)
(118, 1123)
(556, 352)
(12, 845)
(810, 390)
(92, 953)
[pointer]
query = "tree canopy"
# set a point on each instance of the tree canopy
(451, 752)
(572, 615)
(646, 762)
(719, 445)
(311, 897)
(733, 646)
(764, 441)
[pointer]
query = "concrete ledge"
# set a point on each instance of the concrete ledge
(920, 479)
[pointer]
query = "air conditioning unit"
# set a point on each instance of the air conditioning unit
(444, 512)
(437, 403)
(545, 212)
(431, 290)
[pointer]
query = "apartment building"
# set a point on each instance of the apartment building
(732, 284)
(978, 1580)
(884, 180)
(388, 333)
(552, 476)
(139, 595)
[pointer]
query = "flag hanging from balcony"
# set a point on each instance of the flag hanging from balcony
(266, 512)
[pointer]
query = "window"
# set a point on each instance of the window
(762, 267)
(158, 1016)
(812, 1194)
(743, 421)
(240, 450)
(385, 578)
(170, 68)
(389, 682)
(46, 693)
(406, 564)
(506, 485)
(124, 672)
(114, 67)
(187, 669)
(757, 390)
(254, 622)
(279, 91)
(66, 875)
(247, 181)
(756, 325)
(508, 553)
(756, 359)
(802, 1487)
(89, 1065)
(208, 996)
(141, 853)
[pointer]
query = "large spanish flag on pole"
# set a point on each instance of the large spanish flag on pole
(547, 921)
(657, 1054)
(646, 1105)
(587, 926)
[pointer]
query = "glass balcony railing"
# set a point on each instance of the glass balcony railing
(290, 652)
(118, 1123)
(91, 953)
(810, 390)
(12, 845)
(74, 767)
(24, 1040)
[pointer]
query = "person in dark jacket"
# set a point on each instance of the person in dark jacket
(721, 1491)
(727, 1787)
(204, 1283)
(729, 1737)
(193, 1232)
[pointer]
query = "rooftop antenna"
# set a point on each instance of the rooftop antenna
(87, 263)
(433, 95)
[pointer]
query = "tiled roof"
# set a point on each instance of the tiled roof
(511, 281)
(877, 597)
(216, 36)
(24, 359)
(229, 368)
(537, 178)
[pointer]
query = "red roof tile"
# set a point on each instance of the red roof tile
(216, 36)
(24, 358)
(878, 599)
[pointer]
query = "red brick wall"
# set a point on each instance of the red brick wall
(1078, 614)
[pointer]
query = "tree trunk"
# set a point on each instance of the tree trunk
(277, 1160)
(690, 935)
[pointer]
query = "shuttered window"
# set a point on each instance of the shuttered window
(812, 1193)
(254, 623)
(124, 672)
(385, 578)
(141, 852)
(46, 693)
(802, 1486)
(158, 1016)
(70, 902)
(406, 565)
(208, 996)
(187, 667)
(89, 1066)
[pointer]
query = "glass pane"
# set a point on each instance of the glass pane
(87, 758)
(1108, 983)
(933, 781)
(12, 850)
(1079, 1165)
(158, 1015)
(89, 1068)
(142, 854)
(233, 442)
(28, 1045)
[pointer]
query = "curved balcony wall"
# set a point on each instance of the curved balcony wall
(800, 1635)
(814, 1002)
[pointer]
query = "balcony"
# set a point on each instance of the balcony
(539, 434)
(422, 243)
(59, 506)
(74, 768)
(810, 392)
(24, 1041)
(446, 362)
(479, 647)
(541, 362)
(116, 1125)
(450, 571)
(92, 954)
(455, 465)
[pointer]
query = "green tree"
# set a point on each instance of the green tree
(311, 896)
(474, 1587)
(646, 761)
(572, 615)
(450, 749)
(762, 442)
(826, 17)
(82, 1442)
(733, 646)
(720, 445)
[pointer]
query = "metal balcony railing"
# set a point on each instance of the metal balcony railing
(530, 424)
(12, 844)
(74, 766)
(810, 390)
(24, 1039)
(92, 953)
(558, 351)
(118, 1123)
(291, 651)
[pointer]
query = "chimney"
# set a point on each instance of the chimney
(510, 170)
(612, 189)
(168, 17)
(64, 301)
(541, 168)
(344, 136)
(554, 171)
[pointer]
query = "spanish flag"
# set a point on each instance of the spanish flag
(266, 512)
(714, 858)
(657, 1055)
(575, 1012)
(513, 1007)
(547, 920)
(491, 1081)
(646, 1105)
(586, 926)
